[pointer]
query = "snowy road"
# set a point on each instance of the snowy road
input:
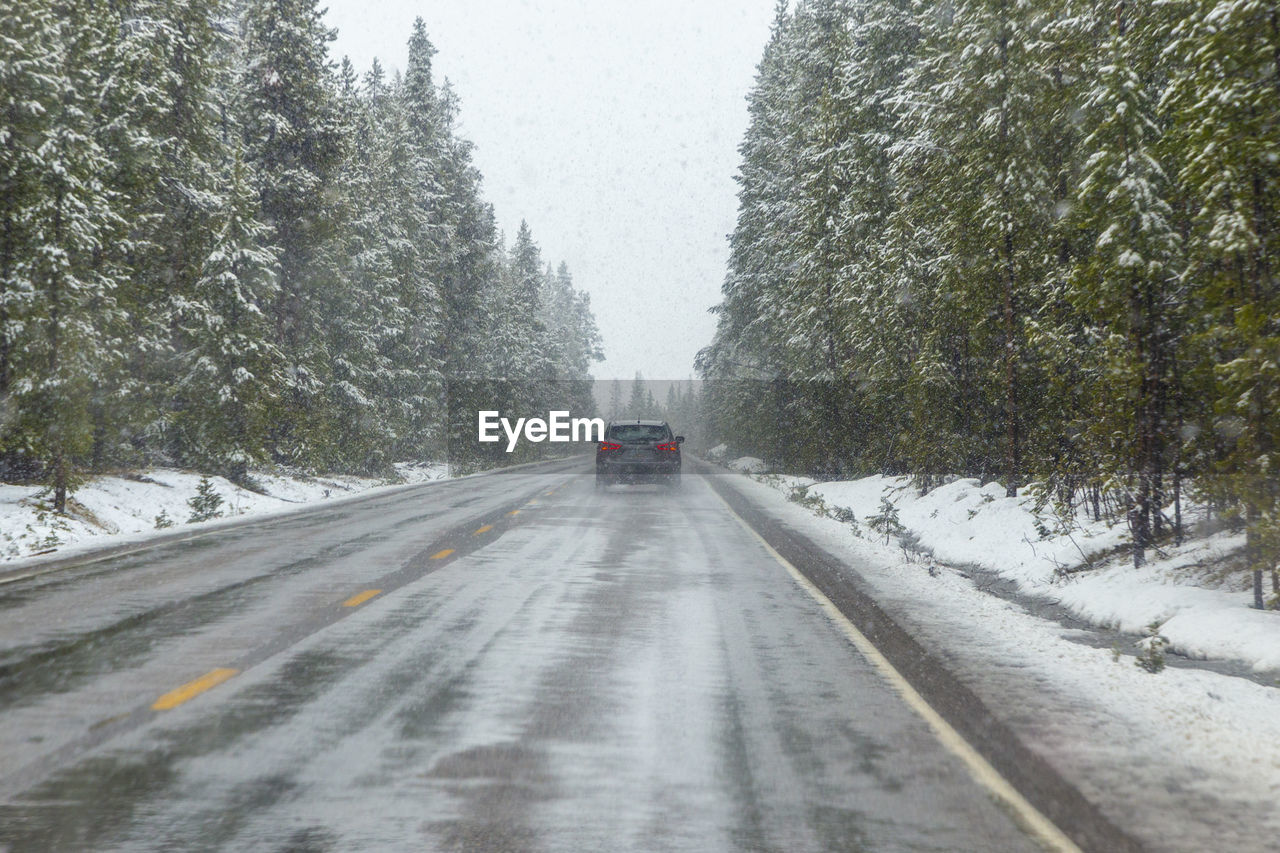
(581, 671)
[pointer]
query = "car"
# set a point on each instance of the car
(638, 451)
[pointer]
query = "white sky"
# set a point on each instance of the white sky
(612, 126)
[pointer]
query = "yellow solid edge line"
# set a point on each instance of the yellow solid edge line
(192, 689)
(484, 529)
(1045, 831)
(361, 598)
(442, 554)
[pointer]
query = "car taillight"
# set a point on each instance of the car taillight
(609, 445)
(672, 446)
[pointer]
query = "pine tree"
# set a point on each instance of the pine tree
(74, 222)
(746, 361)
(366, 314)
(31, 85)
(526, 268)
(1223, 102)
(882, 276)
(420, 345)
(977, 135)
(470, 255)
(637, 403)
(228, 368)
(172, 152)
(615, 399)
(293, 148)
(1126, 286)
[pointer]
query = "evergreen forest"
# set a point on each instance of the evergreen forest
(220, 248)
(1030, 241)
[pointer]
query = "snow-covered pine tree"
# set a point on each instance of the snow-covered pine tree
(31, 85)
(526, 268)
(746, 361)
(879, 312)
(574, 341)
(615, 400)
(417, 359)
(1126, 286)
(293, 148)
(973, 112)
(228, 367)
(366, 315)
(75, 224)
(1223, 108)
(171, 147)
(637, 401)
(672, 406)
(815, 300)
(470, 257)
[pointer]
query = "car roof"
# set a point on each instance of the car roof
(640, 421)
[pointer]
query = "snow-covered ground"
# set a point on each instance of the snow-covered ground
(1186, 759)
(120, 509)
(1182, 593)
(748, 465)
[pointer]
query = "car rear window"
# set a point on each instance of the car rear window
(638, 432)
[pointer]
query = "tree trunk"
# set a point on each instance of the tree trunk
(1139, 510)
(1179, 405)
(1009, 283)
(60, 481)
(1010, 378)
(1139, 525)
(58, 428)
(1177, 505)
(1253, 551)
(6, 265)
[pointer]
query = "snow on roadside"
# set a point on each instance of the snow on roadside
(1186, 760)
(120, 509)
(421, 472)
(1180, 592)
(748, 465)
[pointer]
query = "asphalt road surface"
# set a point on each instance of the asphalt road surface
(514, 662)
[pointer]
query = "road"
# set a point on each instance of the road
(513, 662)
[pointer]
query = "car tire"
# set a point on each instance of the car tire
(602, 482)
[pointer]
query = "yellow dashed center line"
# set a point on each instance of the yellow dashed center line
(212, 679)
(532, 502)
(357, 600)
(192, 689)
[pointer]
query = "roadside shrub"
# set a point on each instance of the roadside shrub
(206, 504)
(1151, 658)
(886, 521)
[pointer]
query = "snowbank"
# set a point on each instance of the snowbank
(749, 465)
(1080, 564)
(124, 508)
